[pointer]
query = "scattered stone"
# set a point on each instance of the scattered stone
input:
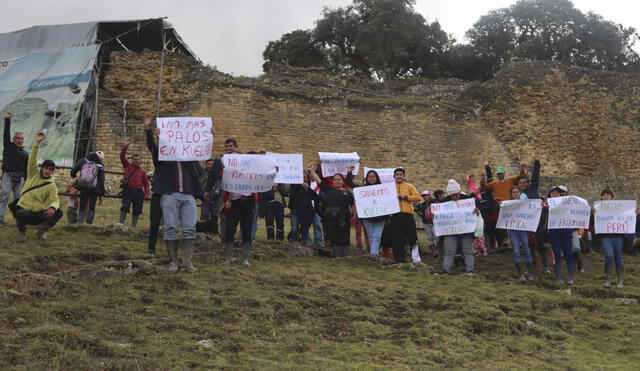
(564, 291)
(625, 301)
(207, 343)
(530, 324)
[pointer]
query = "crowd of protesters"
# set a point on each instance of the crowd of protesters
(325, 205)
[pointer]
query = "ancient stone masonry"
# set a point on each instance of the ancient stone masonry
(582, 123)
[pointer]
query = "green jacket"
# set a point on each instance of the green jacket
(42, 198)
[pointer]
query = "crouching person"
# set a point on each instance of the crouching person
(39, 203)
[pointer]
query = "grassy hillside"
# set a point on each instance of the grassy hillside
(82, 300)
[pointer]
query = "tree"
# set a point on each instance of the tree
(295, 48)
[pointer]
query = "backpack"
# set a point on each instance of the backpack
(88, 178)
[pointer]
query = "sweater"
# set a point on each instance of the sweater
(407, 189)
(500, 188)
(136, 176)
(14, 158)
(42, 198)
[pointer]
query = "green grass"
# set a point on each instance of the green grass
(304, 312)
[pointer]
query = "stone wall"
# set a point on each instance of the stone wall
(563, 114)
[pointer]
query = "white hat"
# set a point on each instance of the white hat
(453, 187)
(100, 155)
(424, 193)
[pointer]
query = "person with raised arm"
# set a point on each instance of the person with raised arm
(135, 185)
(339, 206)
(375, 225)
(39, 203)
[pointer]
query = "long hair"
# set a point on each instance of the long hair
(366, 178)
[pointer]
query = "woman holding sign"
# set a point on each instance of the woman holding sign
(518, 239)
(612, 244)
(561, 241)
(338, 209)
(373, 226)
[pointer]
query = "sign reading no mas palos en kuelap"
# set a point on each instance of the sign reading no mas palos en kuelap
(184, 138)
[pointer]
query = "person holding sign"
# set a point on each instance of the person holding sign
(520, 238)
(373, 225)
(403, 225)
(178, 184)
(451, 241)
(338, 209)
(561, 240)
(612, 239)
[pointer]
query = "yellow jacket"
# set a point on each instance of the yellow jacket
(42, 198)
(407, 189)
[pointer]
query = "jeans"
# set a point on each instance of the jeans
(317, 229)
(612, 247)
(179, 208)
(561, 242)
(26, 217)
(135, 197)
(451, 246)
(9, 185)
(430, 234)
(242, 211)
(520, 239)
(374, 231)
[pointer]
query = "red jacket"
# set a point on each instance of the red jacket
(137, 176)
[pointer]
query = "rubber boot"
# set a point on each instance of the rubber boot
(123, 217)
(90, 215)
(172, 251)
(530, 271)
(346, 250)
(187, 245)
(558, 270)
(543, 259)
(336, 251)
(620, 274)
(607, 275)
(134, 221)
(520, 272)
(81, 217)
(228, 253)
(577, 256)
(570, 279)
(246, 253)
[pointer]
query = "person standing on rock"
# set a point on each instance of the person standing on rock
(612, 246)
(451, 242)
(135, 185)
(14, 165)
(89, 174)
(179, 185)
(39, 203)
(373, 226)
(403, 225)
(339, 207)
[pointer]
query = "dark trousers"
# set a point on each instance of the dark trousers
(242, 211)
(338, 234)
(561, 242)
(135, 197)
(403, 230)
(209, 212)
(26, 217)
(88, 201)
(155, 218)
(275, 213)
(493, 236)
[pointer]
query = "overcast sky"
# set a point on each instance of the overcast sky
(231, 34)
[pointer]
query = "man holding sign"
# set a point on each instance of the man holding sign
(181, 145)
(613, 220)
(403, 225)
(455, 219)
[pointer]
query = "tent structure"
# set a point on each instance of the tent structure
(49, 75)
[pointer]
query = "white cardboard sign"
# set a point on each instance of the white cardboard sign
(334, 163)
(184, 138)
(570, 212)
(520, 215)
(615, 216)
(376, 200)
(290, 167)
(386, 174)
(248, 173)
(454, 217)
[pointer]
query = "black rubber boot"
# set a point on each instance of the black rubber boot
(123, 217)
(530, 271)
(520, 272)
(228, 253)
(607, 275)
(134, 221)
(246, 254)
(620, 274)
(187, 245)
(172, 251)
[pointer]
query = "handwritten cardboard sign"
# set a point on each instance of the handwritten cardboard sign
(376, 200)
(615, 216)
(519, 215)
(570, 212)
(290, 167)
(338, 163)
(248, 173)
(454, 217)
(386, 174)
(184, 138)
